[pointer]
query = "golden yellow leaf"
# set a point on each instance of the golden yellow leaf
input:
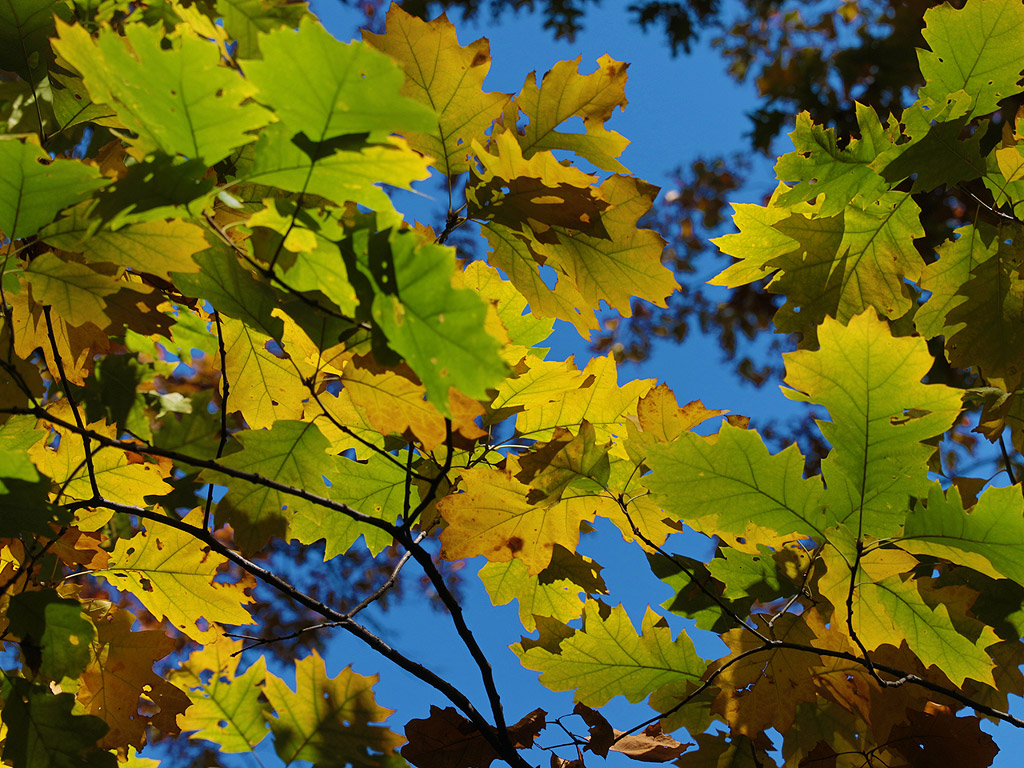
(173, 574)
(446, 76)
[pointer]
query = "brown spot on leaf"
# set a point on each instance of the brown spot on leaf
(480, 58)
(515, 544)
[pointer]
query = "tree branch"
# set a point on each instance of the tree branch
(453, 694)
(238, 474)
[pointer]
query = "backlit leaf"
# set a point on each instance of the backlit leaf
(607, 658)
(564, 94)
(177, 99)
(35, 188)
(972, 49)
(226, 707)
(331, 721)
(880, 413)
(325, 88)
(446, 77)
(169, 571)
(293, 453)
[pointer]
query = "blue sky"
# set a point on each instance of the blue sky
(680, 108)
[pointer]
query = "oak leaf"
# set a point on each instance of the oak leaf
(447, 77)
(170, 573)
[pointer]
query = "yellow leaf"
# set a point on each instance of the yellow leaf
(264, 387)
(445, 76)
(537, 192)
(173, 574)
(330, 720)
(155, 247)
(77, 346)
(598, 399)
(121, 477)
(76, 292)
(394, 404)
(494, 517)
(226, 707)
(564, 94)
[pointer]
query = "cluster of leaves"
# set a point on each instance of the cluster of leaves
(206, 286)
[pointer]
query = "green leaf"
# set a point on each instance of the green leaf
(375, 488)
(233, 290)
(881, 414)
(226, 707)
(330, 721)
(34, 188)
(290, 452)
(324, 88)
(177, 99)
(554, 592)
(936, 154)
(437, 328)
(54, 631)
(944, 277)
(246, 20)
(25, 29)
(42, 732)
(732, 487)
(345, 169)
(305, 250)
(986, 539)
(888, 608)
(698, 595)
(984, 328)
(973, 49)
(607, 658)
(821, 167)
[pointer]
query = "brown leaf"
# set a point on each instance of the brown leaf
(938, 737)
(601, 732)
(651, 746)
(527, 729)
(119, 685)
(446, 739)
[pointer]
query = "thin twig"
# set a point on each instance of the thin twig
(272, 276)
(435, 482)
(693, 579)
(392, 578)
(800, 591)
(256, 642)
(224, 389)
(773, 645)
(353, 434)
(238, 474)
(849, 623)
(90, 467)
(1007, 464)
(465, 633)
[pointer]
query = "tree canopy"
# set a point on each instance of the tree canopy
(222, 342)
